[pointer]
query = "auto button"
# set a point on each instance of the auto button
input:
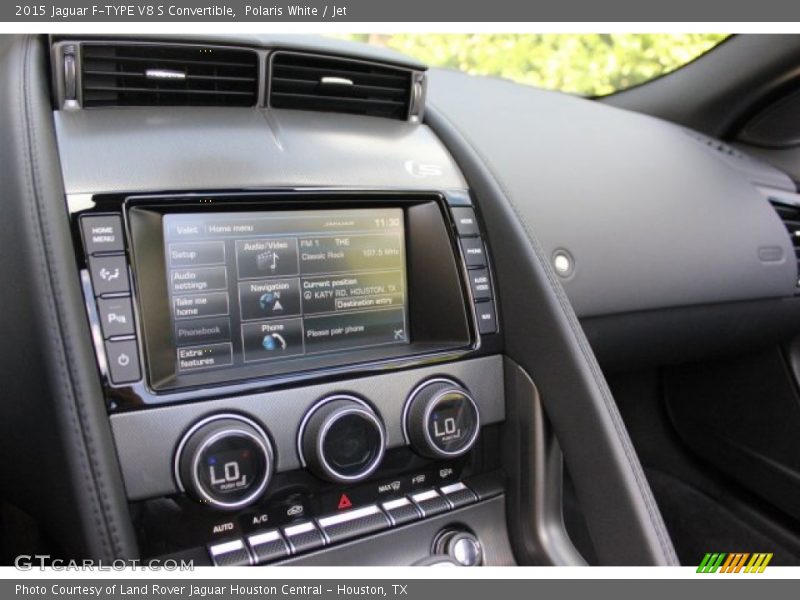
(229, 554)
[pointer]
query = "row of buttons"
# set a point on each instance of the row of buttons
(104, 242)
(275, 544)
(474, 251)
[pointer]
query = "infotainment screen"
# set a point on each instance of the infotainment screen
(249, 288)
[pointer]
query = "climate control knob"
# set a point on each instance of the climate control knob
(225, 461)
(342, 439)
(442, 419)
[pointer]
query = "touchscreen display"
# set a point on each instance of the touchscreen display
(253, 287)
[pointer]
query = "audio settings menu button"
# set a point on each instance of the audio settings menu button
(271, 340)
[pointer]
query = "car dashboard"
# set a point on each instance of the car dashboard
(295, 301)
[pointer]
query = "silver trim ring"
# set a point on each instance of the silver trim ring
(429, 409)
(410, 401)
(310, 413)
(262, 441)
(376, 461)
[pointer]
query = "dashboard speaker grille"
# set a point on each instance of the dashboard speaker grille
(790, 215)
(167, 75)
(334, 84)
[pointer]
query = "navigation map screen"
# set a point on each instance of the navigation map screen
(253, 287)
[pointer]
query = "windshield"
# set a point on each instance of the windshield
(587, 64)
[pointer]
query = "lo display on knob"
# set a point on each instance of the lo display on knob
(225, 461)
(441, 419)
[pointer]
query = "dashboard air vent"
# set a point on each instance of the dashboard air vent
(323, 83)
(167, 75)
(790, 215)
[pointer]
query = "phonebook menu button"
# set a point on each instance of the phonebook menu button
(205, 356)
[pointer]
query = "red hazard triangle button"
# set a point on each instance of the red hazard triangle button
(344, 502)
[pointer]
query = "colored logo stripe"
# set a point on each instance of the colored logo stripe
(734, 562)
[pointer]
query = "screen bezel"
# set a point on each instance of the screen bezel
(438, 322)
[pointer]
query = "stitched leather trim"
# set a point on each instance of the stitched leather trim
(610, 405)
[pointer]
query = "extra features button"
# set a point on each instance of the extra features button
(206, 356)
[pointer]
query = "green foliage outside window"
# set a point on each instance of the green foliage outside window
(585, 64)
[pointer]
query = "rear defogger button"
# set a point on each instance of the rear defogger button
(430, 503)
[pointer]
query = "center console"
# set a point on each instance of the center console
(291, 374)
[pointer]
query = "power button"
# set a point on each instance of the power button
(123, 361)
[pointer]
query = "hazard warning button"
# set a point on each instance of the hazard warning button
(353, 523)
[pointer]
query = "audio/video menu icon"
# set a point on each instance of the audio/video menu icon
(266, 257)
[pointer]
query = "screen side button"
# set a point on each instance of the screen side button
(474, 252)
(109, 274)
(481, 284)
(487, 322)
(102, 234)
(466, 223)
(123, 361)
(116, 316)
